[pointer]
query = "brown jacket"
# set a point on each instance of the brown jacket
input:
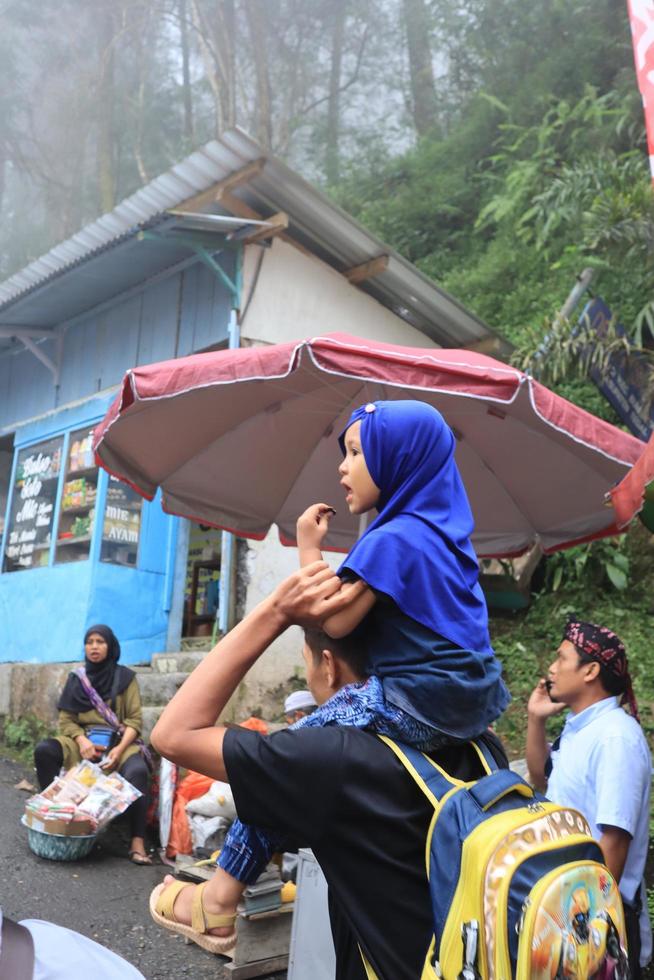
(70, 725)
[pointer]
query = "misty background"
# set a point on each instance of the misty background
(498, 144)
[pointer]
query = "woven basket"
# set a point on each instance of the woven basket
(58, 847)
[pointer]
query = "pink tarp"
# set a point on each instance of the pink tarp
(246, 438)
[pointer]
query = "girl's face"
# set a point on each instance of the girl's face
(361, 493)
(96, 648)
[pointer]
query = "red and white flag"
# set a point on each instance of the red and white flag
(641, 15)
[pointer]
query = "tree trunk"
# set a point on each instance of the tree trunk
(217, 40)
(332, 158)
(106, 136)
(226, 43)
(3, 167)
(187, 94)
(423, 89)
(256, 12)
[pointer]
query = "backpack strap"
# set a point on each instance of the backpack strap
(430, 777)
(486, 757)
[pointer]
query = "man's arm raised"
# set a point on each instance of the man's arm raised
(186, 732)
(539, 709)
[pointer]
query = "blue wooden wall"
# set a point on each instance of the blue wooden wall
(170, 318)
(44, 611)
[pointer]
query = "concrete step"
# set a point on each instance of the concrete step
(157, 688)
(180, 662)
(198, 644)
(150, 717)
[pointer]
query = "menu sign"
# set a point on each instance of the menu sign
(34, 492)
(122, 524)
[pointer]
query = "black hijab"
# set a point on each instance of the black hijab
(107, 677)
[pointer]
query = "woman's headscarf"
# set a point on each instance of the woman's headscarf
(107, 677)
(604, 646)
(418, 550)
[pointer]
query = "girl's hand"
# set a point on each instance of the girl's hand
(312, 526)
(87, 749)
(112, 758)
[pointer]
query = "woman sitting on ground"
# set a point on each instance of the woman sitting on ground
(99, 685)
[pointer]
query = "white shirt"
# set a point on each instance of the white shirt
(603, 768)
(61, 954)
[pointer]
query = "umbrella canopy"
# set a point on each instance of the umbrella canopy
(635, 493)
(243, 439)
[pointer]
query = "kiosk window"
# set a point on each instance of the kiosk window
(122, 524)
(29, 529)
(78, 499)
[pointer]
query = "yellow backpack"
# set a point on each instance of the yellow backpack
(518, 884)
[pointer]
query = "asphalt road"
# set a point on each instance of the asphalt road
(104, 896)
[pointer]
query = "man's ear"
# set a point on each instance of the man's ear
(592, 672)
(331, 668)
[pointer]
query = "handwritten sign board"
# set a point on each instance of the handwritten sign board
(122, 524)
(29, 530)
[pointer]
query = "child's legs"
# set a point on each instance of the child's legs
(398, 724)
(247, 850)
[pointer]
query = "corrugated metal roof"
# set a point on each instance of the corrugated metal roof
(314, 221)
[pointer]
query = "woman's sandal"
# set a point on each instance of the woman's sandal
(162, 901)
(137, 857)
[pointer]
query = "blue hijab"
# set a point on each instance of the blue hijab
(418, 550)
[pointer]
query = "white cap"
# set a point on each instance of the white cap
(299, 701)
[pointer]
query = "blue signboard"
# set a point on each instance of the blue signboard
(623, 381)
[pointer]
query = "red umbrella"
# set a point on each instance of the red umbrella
(633, 494)
(243, 439)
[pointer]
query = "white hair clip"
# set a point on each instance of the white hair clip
(370, 407)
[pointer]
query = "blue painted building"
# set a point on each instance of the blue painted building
(227, 247)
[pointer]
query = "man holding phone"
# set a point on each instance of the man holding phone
(600, 764)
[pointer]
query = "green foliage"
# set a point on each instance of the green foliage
(597, 563)
(526, 642)
(19, 736)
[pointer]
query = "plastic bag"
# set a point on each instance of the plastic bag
(203, 828)
(167, 786)
(107, 798)
(179, 838)
(218, 801)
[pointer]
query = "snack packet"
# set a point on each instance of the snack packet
(109, 797)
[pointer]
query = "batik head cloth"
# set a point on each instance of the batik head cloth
(418, 549)
(603, 645)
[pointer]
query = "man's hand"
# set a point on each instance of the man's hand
(540, 705)
(310, 596)
(87, 749)
(313, 524)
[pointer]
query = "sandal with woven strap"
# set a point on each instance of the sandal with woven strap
(162, 901)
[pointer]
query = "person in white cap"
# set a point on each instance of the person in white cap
(297, 705)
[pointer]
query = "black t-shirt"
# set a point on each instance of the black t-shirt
(343, 793)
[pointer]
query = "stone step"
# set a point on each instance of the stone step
(150, 717)
(179, 662)
(157, 688)
(198, 644)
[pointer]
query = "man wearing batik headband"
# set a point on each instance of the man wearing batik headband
(600, 764)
